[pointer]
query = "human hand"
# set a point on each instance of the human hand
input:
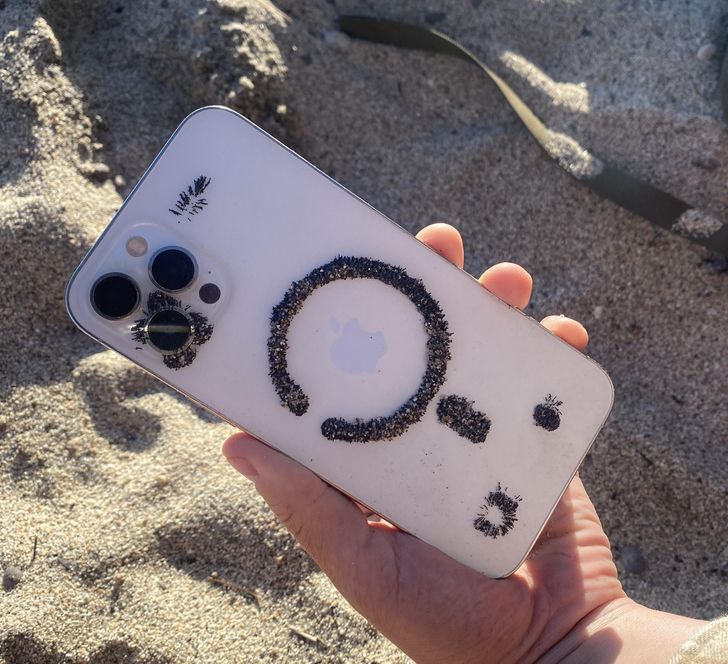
(564, 603)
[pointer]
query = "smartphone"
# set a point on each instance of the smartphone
(245, 278)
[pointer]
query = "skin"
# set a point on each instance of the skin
(564, 604)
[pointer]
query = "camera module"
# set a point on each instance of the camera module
(169, 331)
(115, 296)
(172, 269)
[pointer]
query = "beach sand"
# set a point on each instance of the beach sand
(130, 537)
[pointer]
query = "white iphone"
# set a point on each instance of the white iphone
(248, 280)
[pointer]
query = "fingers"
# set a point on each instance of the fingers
(509, 282)
(327, 524)
(445, 240)
(571, 331)
(512, 284)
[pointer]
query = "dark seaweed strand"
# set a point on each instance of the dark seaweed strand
(189, 201)
(438, 347)
(507, 506)
(458, 414)
(201, 329)
(548, 413)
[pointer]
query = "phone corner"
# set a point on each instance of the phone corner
(210, 109)
(510, 568)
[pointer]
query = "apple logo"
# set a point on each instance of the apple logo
(356, 350)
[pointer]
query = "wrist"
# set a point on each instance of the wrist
(624, 631)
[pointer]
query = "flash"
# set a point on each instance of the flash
(136, 246)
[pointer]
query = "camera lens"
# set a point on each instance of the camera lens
(172, 269)
(115, 296)
(168, 330)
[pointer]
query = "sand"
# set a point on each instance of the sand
(124, 535)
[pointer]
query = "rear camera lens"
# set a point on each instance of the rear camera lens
(172, 269)
(168, 331)
(115, 296)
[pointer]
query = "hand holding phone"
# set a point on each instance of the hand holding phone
(241, 276)
(430, 606)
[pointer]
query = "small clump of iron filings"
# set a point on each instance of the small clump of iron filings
(201, 328)
(181, 359)
(190, 201)
(458, 414)
(548, 414)
(438, 347)
(507, 508)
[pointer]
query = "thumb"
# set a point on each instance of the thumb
(331, 528)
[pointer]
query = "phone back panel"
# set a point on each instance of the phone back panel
(344, 342)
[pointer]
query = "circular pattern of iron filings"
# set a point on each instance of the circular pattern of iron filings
(438, 347)
(200, 329)
(168, 331)
(504, 506)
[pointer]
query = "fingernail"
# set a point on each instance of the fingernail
(243, 466)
